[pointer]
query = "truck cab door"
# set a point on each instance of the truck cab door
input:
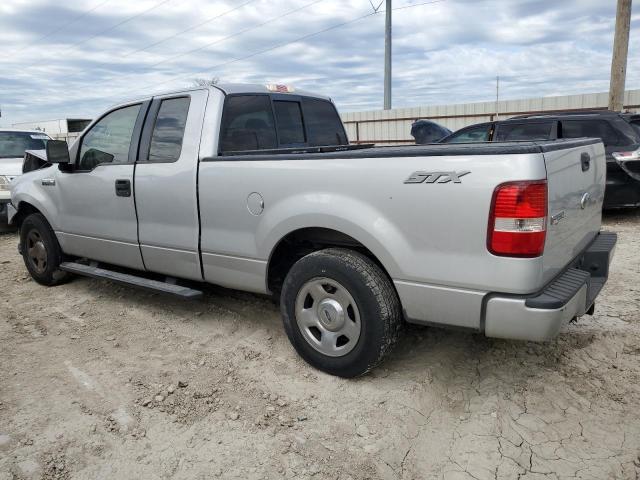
(96, 210)
(166, 179)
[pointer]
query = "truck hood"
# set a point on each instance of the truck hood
(11, 167)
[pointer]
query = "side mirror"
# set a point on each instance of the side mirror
(58, 151)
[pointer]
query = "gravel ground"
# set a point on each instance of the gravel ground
(102, 381)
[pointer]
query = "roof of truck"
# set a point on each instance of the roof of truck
(235, 88)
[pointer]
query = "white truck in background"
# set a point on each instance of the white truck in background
(13, 144)
(256, 188)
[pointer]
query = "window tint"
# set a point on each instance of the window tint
(247, 124)
(168, 131)
(109, 140)
(289, 120)
(13, 144)
(591, 128)
(323, 123)
(524, 131)
(473, 134)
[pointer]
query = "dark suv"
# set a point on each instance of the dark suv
(620, 133)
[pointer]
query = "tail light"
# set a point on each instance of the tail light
(518, 219)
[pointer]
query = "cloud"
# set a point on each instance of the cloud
(446, 52)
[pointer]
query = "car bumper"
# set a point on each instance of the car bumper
(540, 317)
(622, 187)
(622, 194)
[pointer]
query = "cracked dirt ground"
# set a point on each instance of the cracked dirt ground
(102, 381)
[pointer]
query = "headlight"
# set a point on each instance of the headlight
(5, 182)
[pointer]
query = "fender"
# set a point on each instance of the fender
(29, 189)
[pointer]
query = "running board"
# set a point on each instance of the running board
(127, 279)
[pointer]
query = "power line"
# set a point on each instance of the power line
(109, 29)
(241, 32)
(188, 29)
(271, 20)
(193, 27)
(283, 44)
(56, 30)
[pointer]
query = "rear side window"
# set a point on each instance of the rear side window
(247, 124)
(323, 123)
(592, 128)
(473, 134)
(524, 131)
(289, 120)
(168, 131)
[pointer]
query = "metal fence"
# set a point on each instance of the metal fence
(390, 127)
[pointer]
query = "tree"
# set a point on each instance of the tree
(205, 82)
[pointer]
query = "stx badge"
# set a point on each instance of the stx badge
(436, 177)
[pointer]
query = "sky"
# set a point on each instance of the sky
(76, 58)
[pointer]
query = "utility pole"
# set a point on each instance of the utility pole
(619, 57)
(497, 95)
(387, 57)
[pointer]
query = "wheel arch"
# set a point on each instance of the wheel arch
(305, 240)
(23, 210)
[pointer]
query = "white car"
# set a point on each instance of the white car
(13, 144)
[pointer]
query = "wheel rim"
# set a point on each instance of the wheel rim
(328, 317)
(36, 251)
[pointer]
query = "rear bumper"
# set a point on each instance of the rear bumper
(621, 190)
(540, 317)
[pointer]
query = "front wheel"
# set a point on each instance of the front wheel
(40, 251)
(340, 311)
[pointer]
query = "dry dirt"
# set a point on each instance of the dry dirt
(102, 381)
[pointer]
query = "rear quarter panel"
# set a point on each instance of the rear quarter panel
(426, 233)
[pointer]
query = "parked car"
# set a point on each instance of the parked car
(620, 134)
(13, 144)
(228, 185)
(426, 131)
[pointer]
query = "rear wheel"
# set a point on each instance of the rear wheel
(40, 251)
(340, 311)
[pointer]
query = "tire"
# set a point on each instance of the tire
(340, 311)
(41, 251)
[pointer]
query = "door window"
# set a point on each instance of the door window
(247, 124)
(524, 131)
(109, 140)
(168, 131)
(479, 133)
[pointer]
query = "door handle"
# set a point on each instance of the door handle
(585, 160)
(123, 188)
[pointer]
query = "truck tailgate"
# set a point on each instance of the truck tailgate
(576, 181)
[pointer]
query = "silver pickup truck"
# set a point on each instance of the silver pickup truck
(256, 188)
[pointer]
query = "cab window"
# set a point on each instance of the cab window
(109, 140)
(247, 124)
(289, 120)
(323, 123)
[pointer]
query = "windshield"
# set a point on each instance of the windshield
(13, 144)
